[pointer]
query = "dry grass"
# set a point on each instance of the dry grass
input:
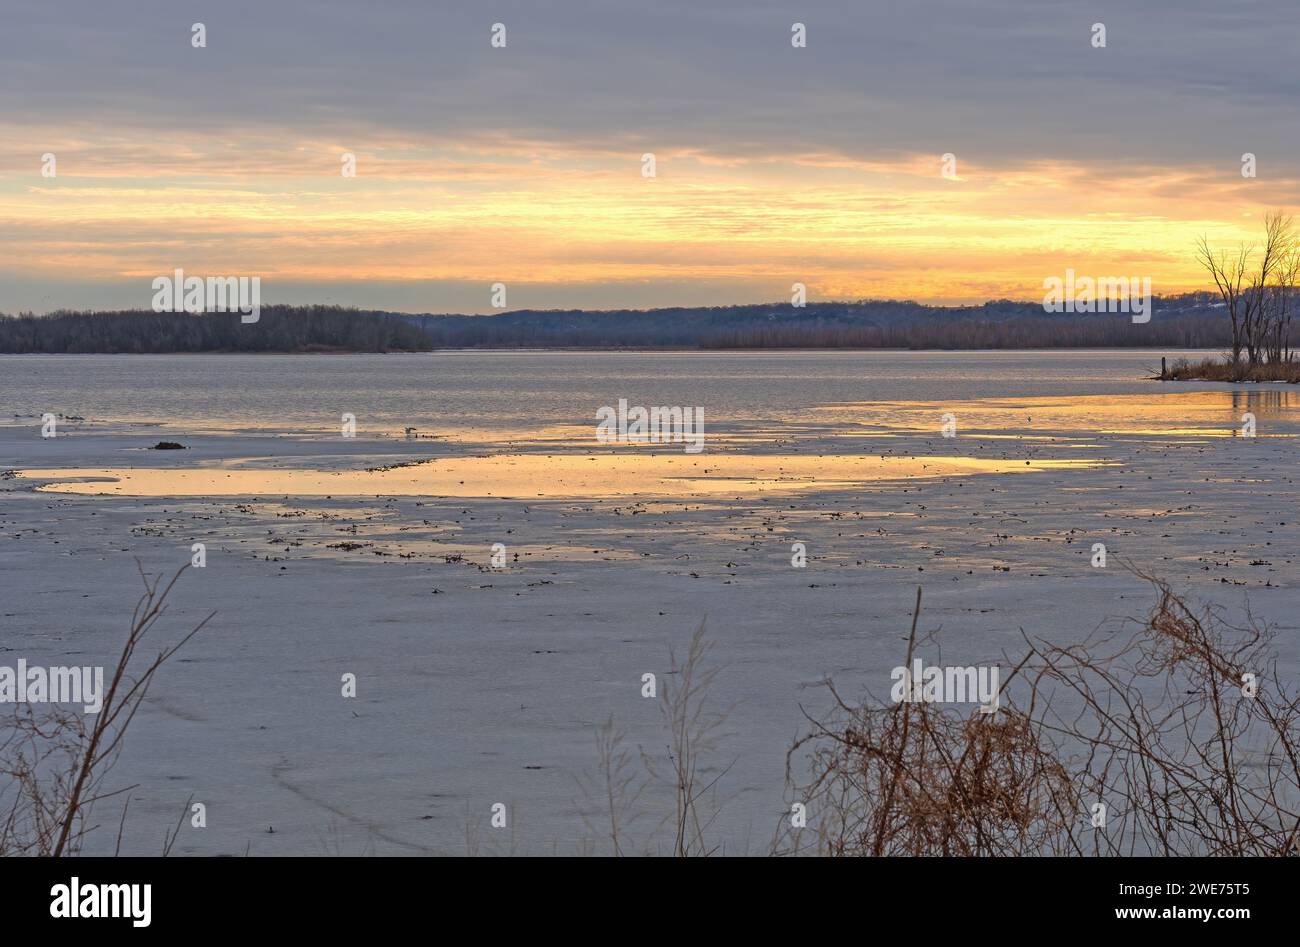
(1224, 369)
(693, 731)
(1152, 720)
(610, 798)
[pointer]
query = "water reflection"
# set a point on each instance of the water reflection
(541, 475)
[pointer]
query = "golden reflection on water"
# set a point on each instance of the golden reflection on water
(538, 475)
(564, 464)
(1166, 411)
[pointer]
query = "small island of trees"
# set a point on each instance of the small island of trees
(1258, 291)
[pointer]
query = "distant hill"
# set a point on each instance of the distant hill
(1189, 321)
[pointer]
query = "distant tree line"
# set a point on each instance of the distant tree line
(279, 329)
(1190, 321)
(1097, 331)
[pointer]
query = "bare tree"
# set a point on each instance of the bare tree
(1288, 273)
(1228, 272)
(1252, 296)
(1262, 301)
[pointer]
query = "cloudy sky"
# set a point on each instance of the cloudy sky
(523, 164)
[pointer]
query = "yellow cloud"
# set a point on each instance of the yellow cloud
(248, 203)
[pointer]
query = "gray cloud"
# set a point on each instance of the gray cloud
(1181, 81)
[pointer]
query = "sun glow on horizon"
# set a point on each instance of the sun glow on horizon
(533, 216)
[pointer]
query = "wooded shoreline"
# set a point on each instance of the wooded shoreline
(1179, 323)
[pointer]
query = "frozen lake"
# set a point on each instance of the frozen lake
(372, 555)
